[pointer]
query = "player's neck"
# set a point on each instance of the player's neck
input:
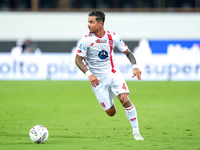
(100, 33)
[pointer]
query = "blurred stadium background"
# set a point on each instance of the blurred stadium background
(164, 35)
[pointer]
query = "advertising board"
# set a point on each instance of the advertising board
(158, 60)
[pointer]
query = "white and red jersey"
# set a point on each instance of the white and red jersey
(98, 52)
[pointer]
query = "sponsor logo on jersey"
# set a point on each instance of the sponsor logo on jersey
(103, 54)
(101, 41)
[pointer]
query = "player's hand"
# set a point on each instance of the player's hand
(93, 80)
(137, 73)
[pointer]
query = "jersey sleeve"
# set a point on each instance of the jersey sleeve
(120, 43)
(82, 48)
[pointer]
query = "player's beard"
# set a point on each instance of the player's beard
(91, 31)
(94, 32)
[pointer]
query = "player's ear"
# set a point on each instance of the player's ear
(101, 23)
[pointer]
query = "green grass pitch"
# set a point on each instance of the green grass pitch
(168, 113)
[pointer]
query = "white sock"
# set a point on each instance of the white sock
(131, 114)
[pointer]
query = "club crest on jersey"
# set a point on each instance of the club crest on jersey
(101, 41)
(103, 54)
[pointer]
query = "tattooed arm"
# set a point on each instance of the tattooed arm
(131, 57)
(79, 63)
(136, 71)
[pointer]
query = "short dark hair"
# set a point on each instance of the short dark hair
(100, 16)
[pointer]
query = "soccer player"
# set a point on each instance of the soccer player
(95, 58)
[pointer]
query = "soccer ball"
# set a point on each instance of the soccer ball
(38, 134)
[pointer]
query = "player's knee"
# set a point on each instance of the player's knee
(126, 103)
(112, 111)
(124, 99)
